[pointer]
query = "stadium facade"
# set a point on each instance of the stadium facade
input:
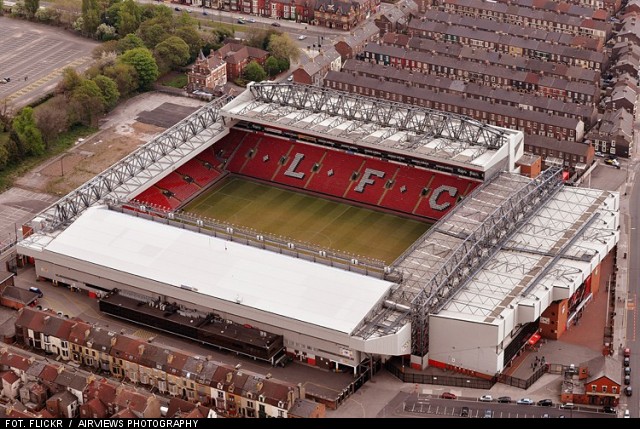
(468, 294)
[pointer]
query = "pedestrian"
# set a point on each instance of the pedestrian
(25, 78)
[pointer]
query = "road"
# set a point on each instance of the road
(448, 407)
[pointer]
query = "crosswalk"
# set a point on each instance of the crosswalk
(47, 78)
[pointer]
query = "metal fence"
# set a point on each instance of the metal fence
(440, 380)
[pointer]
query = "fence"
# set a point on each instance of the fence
(409, 376)
(522, 383)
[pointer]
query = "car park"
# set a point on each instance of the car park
(448, 395)
(486, 398)
(525, 401)
(504, 399)
(545, 403)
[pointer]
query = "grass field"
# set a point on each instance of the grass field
(302, 217)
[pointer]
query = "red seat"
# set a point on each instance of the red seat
(198, 172)
(266, 157)
(334, 175)
(154, 197)
(178, 186)
(311, 156)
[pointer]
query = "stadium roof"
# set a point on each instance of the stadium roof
(294, 288)
(371, 123)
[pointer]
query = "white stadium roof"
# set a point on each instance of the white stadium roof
(294, 288)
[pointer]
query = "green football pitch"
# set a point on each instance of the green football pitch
(301, 217)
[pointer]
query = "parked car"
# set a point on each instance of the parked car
(612, 162)
(302, 37)
(627, 353)
(627, 380)
(525, 401)
(177, 9)
(5, 80)
(545, 416)
(504, 399)
(275, 24)
(567, 406)
(627, 415)
(626, 361)
(628, 391)
(609, 410)
(240, 21)
(486, 398)
(36, 290)
(488, 414)
(627, 370)
(545, 403)
(600, 154)
(448, 395)
(464, 412)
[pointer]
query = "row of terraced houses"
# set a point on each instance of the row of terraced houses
(231, 391)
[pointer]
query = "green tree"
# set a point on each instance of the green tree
(281, 46)
(125, 77)
(25, 128)
(283, 64)
(185, 20)
(152, 33)
(4, 151)
(51, 118)
(172, 52)
(105, 48)
(1, 7)
(31, 7)
(70, 80)
(144, 64)
(129, 17)
(192, 38)
(88, 103)
(105, 32)
(271, 66)
(109, 90)
(90, 17)
(254, 72)
(130, 41)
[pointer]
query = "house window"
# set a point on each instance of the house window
(594, 388)
(280, 413)
(604, 389)
(250, 404)
(614, 389)
(220, 395)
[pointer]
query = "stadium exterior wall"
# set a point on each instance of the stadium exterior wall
(479, 346)
(302, 340)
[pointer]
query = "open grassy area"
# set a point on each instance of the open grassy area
(62, 143)
(179, 81)
(303, 217)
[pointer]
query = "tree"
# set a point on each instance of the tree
(51, 118)
(25, 128)
(130, 41)
(1, 7)
(152, 33)
(283, 64)
(271, 66)
(104, 48)
(109, 90)
(105, 32)
(128, 17)
(254, 72)
(125, 77)
(4, 152)
(46, 14)
(31, 7)
(88, 102)
(90, 17)
(172, 52)
(144, 64)
(192, 38)
(70, 80)
(281, 46)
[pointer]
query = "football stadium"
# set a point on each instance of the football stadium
(303, 222)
